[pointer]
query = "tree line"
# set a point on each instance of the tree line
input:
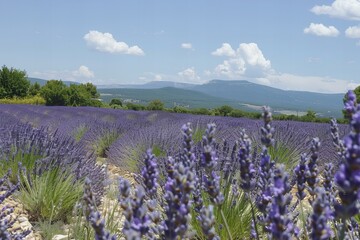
(15, 84)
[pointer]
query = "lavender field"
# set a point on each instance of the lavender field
(192, 177)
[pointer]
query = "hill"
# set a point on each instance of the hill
(42, 82)
(255, 94)
(169, 95)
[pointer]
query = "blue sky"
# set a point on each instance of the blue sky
(296, 45)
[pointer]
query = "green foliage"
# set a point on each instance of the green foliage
(237, 113)
(32, 100)
(237, 212)
(282, 154)
(155, 105)
(198, 134)
(200, 111)
(13, 83)
(111, 213)
(224, 110)
(12, 161)
(55, 93)
(103, 143)
(50, 197)
(79, 132)
(135, 107)
(158, 152)
(115, 101)
(82, 95)
(48, 230)
(34, 89)
(179, 109)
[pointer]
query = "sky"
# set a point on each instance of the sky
(293, 45)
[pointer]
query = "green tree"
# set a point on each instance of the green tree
(225, 110)
(91, 89)
(55, 93)
(116, 102)
(77, 95)
(155, 105)
(34, 89)
(13, 83)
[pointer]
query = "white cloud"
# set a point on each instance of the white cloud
(345, 9)
(247, 61)
(231, 68)
(186, 45)
(224, 50)
(189, 75)
(84, 71)
(353, 32)
(158, 77)
(288, 81)
(105, 42)
(82, 74)
(319, 29)
(253, 55)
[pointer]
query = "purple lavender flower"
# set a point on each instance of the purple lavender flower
(347, 177)
(98, 225)
(266, 168)
(267, 131)
(312, 168)
(178, 188)
(209, 159)
(299, 172)
(247, 169)
(207, 220)
(280, 222)
(150, 174)
(92, 215)
(328, 183)
(350, 105)
(137, 221)
(6, 190)
(320, 217)
(337, 142)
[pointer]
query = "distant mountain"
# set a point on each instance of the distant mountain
(236, 93)
(169, 95)
(250, 93)
(42, 82)
(150, 85)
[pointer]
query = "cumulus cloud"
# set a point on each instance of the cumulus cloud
(353, 32)
(82, 74)
(319, 29)
(105, 42)
(186, 45)
(189, 75)
(309, 83)
(345, 9)
(248, 60)
(224, 50)
(84, 71)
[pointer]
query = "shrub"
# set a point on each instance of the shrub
(50, 196)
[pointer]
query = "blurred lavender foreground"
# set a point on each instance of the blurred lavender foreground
(216, 178)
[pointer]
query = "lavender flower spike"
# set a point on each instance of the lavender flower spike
(247, 169)
(208, 162)
(281, 225)
(267, 131)
(350, 105)
(299, 172)
(312, 177)
(337, 142)
(347, 177)
(150, 174)
(320, 217)
(207, 221)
